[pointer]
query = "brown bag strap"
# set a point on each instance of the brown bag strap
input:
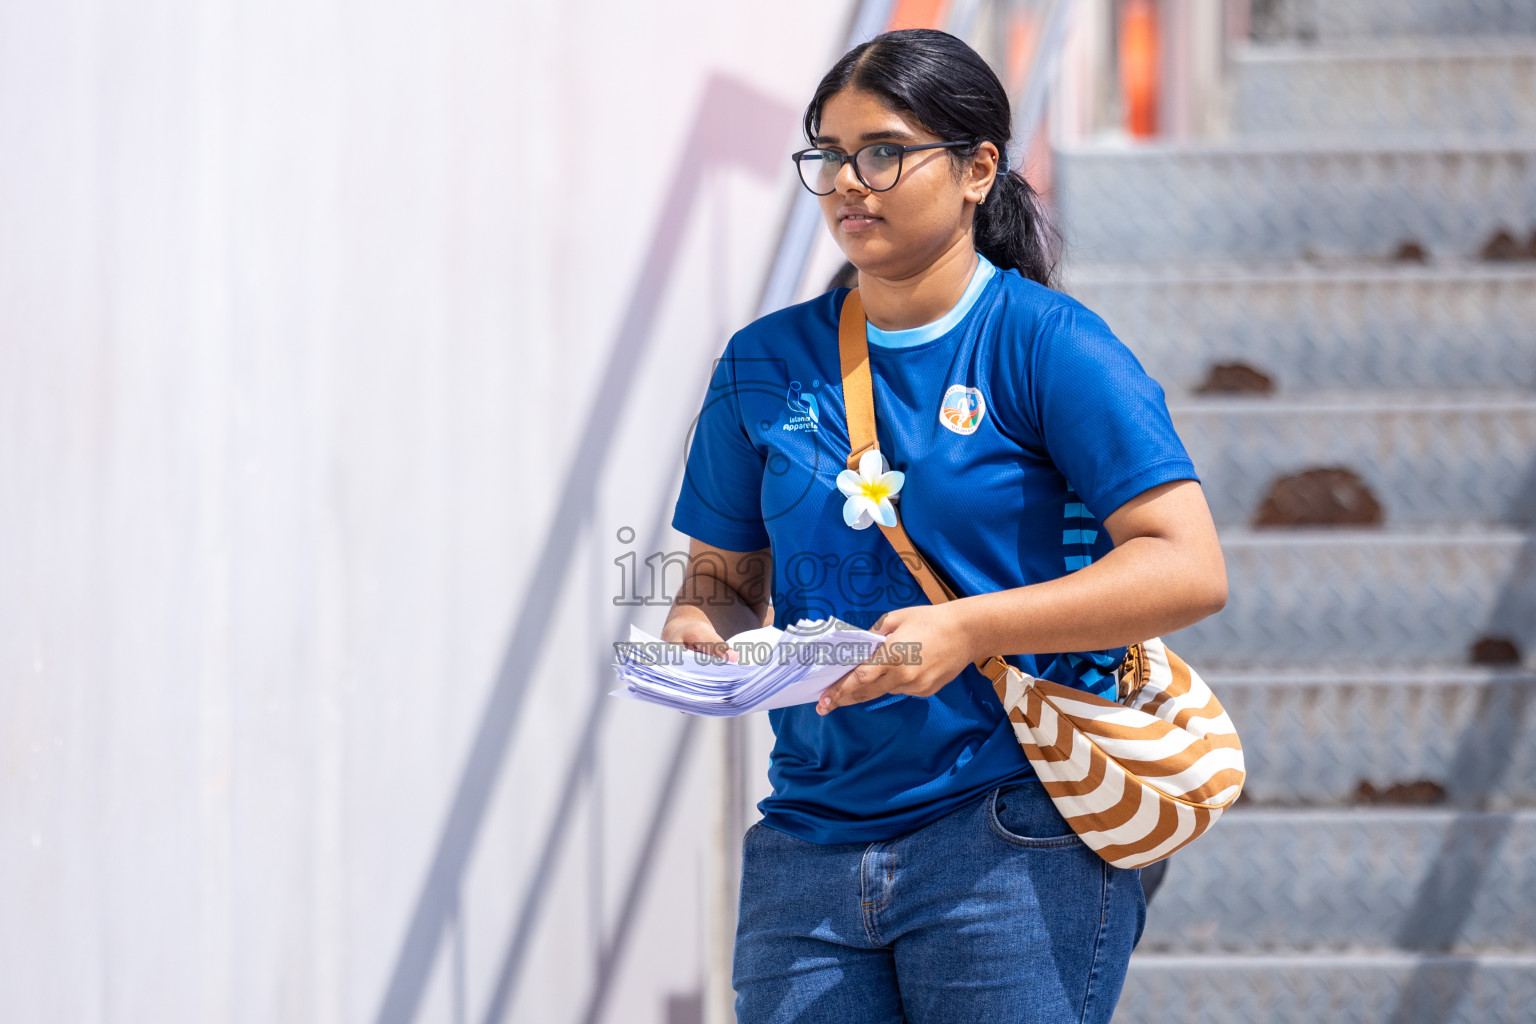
(859, 400)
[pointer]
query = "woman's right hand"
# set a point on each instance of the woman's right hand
(698, 636)
(719, 587)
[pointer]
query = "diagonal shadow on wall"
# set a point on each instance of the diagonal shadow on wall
(735, 126)
(1474, 840)
(578, 770)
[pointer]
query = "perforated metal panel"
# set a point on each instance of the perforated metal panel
(1476, 85)
(1289, 199)
(1365, 239)
(1318, 596)
(1312, 882)
(1336, 20)
(1312, 736)
(1324, 327)
(1334, 988)
(1428, 458)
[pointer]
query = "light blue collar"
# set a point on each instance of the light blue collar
(929, 331)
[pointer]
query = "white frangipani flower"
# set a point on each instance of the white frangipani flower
(869, 491)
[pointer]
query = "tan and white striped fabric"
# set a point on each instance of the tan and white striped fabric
(1137, 777)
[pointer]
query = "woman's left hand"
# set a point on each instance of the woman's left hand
(937, 650)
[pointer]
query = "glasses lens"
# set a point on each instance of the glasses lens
(879, 164)
(818, 170)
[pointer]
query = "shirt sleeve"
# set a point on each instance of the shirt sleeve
(720, 502)
(1104, 421)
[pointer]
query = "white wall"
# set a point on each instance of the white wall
(305, 312)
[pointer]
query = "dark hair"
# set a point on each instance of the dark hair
(953, 93)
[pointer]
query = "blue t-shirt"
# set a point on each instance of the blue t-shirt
(1019, 425)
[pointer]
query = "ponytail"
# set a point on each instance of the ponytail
(1013, 230)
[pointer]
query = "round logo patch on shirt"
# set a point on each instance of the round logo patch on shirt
(962, 409)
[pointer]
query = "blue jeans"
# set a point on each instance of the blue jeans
(995, 913)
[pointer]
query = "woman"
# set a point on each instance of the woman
(909, 865)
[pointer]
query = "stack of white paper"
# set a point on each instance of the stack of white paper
(777, 668)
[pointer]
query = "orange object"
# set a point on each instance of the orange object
(1139, 66)
(917, 14)
(1023, 38)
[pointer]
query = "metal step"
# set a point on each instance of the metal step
(1292, 198)
(1313, 327)
(1475, 84)
(1320, 596)
(1427, 458)
(1357, 19)
(1312, 737)
(1422, 881)
(1390, 988)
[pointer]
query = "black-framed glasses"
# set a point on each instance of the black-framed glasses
(877, 165)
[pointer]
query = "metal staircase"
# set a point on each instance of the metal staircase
(1344, 242)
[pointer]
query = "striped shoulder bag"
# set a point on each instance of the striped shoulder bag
(1138, 777)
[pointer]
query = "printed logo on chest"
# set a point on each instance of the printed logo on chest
(962, 409)
(804, 411)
